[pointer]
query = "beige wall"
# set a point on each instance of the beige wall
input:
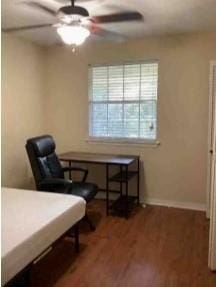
(174, 171)
(22, 106)
(47, 91)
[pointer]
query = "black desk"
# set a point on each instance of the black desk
(124, 203)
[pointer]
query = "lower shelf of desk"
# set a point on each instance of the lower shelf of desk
(123, 176)
(123, 205)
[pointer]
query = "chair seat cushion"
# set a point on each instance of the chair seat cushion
(86, 190)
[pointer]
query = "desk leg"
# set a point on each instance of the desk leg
(107, 189)
(121, 180)
(138, 180)
(70, 174)
(126, 187)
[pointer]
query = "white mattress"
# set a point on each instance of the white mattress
(31, 222)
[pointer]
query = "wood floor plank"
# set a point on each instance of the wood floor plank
(155, 247)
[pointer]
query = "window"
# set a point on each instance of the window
(123, 101)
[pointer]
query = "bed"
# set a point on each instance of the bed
(31, 222)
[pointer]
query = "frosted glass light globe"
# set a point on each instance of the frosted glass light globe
(73, 35)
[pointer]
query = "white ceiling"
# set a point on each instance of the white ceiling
(160, 17)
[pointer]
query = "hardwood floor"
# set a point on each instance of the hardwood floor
(155, 247)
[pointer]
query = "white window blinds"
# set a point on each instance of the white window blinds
(123, 101)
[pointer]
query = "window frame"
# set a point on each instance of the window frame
(114, 140)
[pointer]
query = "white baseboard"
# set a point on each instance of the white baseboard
(175, 204)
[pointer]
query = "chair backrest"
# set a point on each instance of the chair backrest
(43, 159)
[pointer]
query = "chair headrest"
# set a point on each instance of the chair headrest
(43, 145)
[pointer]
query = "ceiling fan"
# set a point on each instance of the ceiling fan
(75, 24)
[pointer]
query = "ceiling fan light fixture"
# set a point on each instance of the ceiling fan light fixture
(69, 18)
(73, 34)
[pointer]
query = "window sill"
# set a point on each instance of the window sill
(124, 142)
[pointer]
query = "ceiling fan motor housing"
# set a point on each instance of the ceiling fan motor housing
(74, 10)
(70, 14)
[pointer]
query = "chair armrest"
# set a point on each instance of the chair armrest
(85, 171)
(55, 184)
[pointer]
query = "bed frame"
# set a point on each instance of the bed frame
(25, 274)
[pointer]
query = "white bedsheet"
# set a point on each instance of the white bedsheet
(31, 222)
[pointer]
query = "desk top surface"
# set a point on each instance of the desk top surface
(98, 158)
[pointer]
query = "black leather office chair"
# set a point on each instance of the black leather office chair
(49, 174)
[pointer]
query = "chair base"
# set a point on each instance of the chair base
(88, 220)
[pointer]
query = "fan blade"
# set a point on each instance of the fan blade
(118, 17)
(37, 5)
(109, 35)
(23, 28)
